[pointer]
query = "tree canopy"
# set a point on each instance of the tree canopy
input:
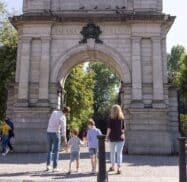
(182, 78)
(79, 96)
(105, 92)
(175, 59)
(8, 49)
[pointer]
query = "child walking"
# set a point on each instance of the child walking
(74, 144)
(92, 134)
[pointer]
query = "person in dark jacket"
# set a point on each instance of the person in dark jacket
(10, 123)
(116, 136)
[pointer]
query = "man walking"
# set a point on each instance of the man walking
(56, 129)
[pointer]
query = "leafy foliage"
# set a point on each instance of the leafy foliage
(105, 92)
(175, 59)
(182, 78)
(183, 118)
(8, 49)
(79, 87)
(177, 67)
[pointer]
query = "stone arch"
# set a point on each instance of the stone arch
(82, 53)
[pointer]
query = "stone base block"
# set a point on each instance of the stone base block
(149, 132)
(31, 129)
(30, 140)
(149, 142)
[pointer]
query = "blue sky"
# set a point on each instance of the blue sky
(177, 34)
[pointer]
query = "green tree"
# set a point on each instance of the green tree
(182, 79)
(174, 61)
(79, 93)
(105, 92)
(8, 49)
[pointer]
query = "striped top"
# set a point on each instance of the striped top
(75, 142)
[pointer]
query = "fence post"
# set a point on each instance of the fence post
(102, 174)
(182, 159)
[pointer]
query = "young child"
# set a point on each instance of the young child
(74, 144)
(92, 134)
(5, 128)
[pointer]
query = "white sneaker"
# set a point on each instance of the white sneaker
(48, 168)
(93, 171)
(56, 169)
(7, 151)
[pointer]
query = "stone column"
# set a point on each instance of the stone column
(19, 49)
(44, 71)
(136, 70)
(158, 89)
(164, 58)
(24, 71)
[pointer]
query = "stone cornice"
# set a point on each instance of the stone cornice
(85, 16)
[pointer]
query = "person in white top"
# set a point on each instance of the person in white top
(56, 129)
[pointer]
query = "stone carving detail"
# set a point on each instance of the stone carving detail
(91, 31)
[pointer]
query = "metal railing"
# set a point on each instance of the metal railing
(182, 159)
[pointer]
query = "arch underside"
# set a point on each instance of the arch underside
(82, 54)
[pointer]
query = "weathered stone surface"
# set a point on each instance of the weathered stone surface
(64, 5)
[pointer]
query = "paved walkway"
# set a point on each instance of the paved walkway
(31, 167)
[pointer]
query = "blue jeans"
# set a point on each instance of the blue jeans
(5, 141)
(116, 148)
(53, 147)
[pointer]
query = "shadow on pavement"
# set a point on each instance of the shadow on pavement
(44, 174)
(143, 160)
(130, 160)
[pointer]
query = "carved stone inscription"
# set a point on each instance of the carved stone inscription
(69, 30)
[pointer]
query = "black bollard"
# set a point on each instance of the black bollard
(102, 174)
(182, 160)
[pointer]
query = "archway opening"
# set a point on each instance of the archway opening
(100, 55)
(90, 89)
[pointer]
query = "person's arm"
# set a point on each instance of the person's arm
(87, 137)
(124, 127)
(108, 133)
(63, 128)
(81, 143)
(108, 130)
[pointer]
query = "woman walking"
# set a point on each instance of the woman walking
(116, 136)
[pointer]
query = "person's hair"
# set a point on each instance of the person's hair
(75, 131)
(91, 122)
(66, 109)
(117, 113)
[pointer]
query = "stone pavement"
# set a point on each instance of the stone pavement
(31, 167)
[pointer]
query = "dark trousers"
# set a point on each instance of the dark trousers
(9, 144)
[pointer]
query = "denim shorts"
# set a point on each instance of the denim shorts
(74, 155)
(92, 152)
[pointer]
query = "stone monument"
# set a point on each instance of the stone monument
(127, 35)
